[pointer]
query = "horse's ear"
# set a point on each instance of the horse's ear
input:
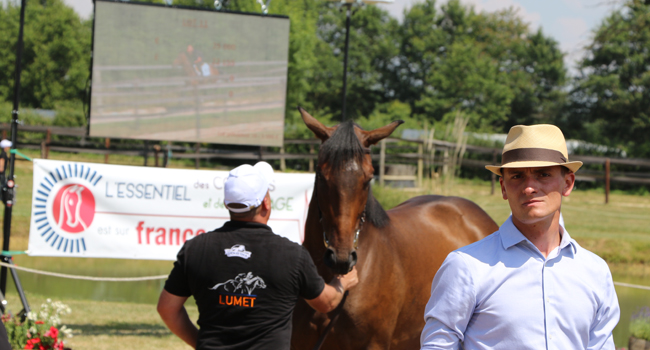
(321, 131)
(373, 136)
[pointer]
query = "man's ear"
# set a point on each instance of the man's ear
(569, 183)
(503, 188)
(267, 201)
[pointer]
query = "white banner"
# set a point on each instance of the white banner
(116, 211)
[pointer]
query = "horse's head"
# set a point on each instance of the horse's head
(342, 185)
(71, 202)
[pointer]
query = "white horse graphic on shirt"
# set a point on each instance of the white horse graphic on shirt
(244, 282)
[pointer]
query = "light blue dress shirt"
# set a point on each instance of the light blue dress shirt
(501, 293)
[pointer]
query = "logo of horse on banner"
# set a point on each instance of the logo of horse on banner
(64, 206)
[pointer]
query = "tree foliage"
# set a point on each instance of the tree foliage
(439, 62)
(56, 56)
(611, 99)
(488, 66)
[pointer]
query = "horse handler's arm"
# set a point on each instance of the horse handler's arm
(333, 292)
(173, 313)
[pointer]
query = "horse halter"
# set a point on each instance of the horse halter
(360, 221)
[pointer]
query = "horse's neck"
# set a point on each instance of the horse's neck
(313, 228)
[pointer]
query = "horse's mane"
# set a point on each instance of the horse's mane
(342, 147)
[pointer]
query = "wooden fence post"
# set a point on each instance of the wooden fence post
(420, 165)
(45, 145)
(283, 163)
(4, 134)
(607, 180)
(493, 179)
(107, 144)
(156, 150)
(145, 153)
(382, 161)
(311, 160)
(445, 162)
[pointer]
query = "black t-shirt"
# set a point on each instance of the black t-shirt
(246, 281)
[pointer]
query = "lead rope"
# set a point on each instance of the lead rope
(335, 316)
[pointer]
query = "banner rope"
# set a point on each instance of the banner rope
(87, 278)
(15, 151)
(631, 285)
(159, 277)
(13, 252)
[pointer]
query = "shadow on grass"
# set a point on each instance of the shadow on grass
(120, 329)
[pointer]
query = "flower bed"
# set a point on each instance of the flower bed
(42, 330)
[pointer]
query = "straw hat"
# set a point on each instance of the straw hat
(534, 146)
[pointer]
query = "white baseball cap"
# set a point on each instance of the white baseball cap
(5, 143)
(247, 185)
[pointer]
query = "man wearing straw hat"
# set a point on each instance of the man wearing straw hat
(529, 285)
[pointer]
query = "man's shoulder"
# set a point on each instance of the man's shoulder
(483, 247)
(476, 254)
(589, 258)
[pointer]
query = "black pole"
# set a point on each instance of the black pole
(345, 58)
(14, 131)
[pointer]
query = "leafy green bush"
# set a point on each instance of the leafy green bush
(640, 325)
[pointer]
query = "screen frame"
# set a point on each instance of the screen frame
(138, 3)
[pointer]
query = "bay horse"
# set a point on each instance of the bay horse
(397, 252)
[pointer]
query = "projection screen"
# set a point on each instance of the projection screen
(174, 74)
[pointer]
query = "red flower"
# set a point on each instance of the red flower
(40, 322)
(52, 333)
(31, 342)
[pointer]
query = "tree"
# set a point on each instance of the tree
(488, 66)
(56, 57)
(373, 45)
(611, 100)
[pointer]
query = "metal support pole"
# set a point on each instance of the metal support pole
(345, 58)
(19, 288)
(14, 131)
(196, 159)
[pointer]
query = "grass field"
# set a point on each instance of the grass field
(618, 231)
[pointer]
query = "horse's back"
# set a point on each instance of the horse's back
(454, 218)
(425, 230)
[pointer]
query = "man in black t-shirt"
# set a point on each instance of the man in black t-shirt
(245, 279)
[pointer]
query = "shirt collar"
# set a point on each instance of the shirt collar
(510, 236)
(246, 224)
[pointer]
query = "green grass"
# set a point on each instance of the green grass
(100, 325)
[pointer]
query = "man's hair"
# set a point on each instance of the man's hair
(245, 215)
(565, 170)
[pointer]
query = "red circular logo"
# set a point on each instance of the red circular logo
(74, 208)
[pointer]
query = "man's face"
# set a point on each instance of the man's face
(535, 194)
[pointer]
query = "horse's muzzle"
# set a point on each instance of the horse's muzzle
(340, 266)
